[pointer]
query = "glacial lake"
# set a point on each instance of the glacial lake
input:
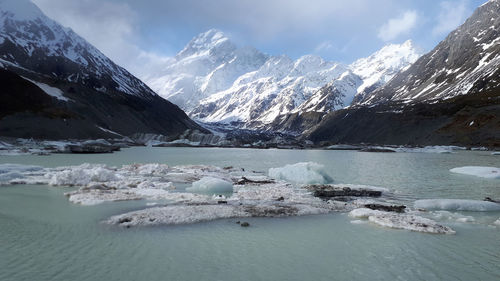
(45, 237)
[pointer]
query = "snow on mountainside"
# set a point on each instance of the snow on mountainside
(215, 81)
(279, 87)
(466, 62)
(208, 64)
(380, 67)
(31, 40)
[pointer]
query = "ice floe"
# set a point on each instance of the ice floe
(217, 193)
(302, 173)
(457, 205)
(478, 171)
(401, 221)
(430, 149)
(186, 214)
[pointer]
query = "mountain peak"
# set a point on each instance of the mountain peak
(205, 42)
(20, 10)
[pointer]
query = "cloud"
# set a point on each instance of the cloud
(109, 26)
(452, 14)
(323, 46)
(398, 26)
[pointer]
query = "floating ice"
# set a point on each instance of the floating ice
(401, 221)
(211, 185)
(364, 213)
(457, 205)
(187, 214)
(410, 222)
(483, 172)
(10, 172)
(82, 175)
(302, 173)
(445, 215)
(497, 222)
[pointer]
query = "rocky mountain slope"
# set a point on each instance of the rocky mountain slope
(215, 81)
(57, 85)
(466, 62)
(449, 96)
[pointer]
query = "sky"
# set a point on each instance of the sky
(142, 35)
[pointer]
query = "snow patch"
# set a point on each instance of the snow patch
(51, 91)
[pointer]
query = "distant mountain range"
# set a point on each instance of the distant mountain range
(213, 80)
(57, 85)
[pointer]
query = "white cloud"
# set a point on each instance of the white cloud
(452, 14)
(398, 26)
(109, 26)
(323, 46)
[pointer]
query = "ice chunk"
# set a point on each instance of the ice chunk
(457, 205)
(302, 173)
(363, 213)
(211, 185)
(483, 172)
(497, 222)
(82, 175)
(445, 215)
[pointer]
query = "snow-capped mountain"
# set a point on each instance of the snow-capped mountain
(279, 87)
(84, 93)
(208, 64)
(467, 61)
(377, 69)
(215, 81)
(31, 40)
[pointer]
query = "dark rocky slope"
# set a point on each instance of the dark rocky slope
(56, 85)
(448, 96)
(471, 120)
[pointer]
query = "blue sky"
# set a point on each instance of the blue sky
(142, 34)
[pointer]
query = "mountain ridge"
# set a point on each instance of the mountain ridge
(257, 94)
(97, 96)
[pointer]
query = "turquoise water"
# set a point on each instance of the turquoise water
(44, 237)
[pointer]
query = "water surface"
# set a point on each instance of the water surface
(44, 237)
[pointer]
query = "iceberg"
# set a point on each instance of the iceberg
(483, 172)
(302, 173)
(211, 185)
(457, 205)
